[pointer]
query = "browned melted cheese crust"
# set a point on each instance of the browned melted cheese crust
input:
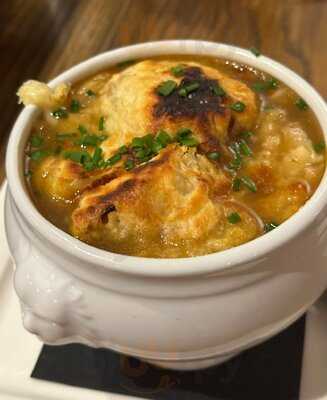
(197, 105)
(176, 198)
(133, 94)
(180, 203)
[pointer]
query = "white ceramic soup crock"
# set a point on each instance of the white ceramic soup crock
(183, 313)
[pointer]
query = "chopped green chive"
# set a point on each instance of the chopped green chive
(218, 90)
(246, 134)
(245, 149)
(89, 165)
(234, 218)
(236, 185)
(36, 141)
(182, 92)
(150, 145)
(75, 106)
(157, 146)
(235, 148)
(193, 86)
(270, 226)
(189, 141)
(248, 182)
(259, 86)
(137, 142)
(89, 93)
(237, 160)
(183, 132)
(101, 124)
(126, 63)
(102, 163)
(38, 155)
(238, 106)
(129, 164)
(85, 157)
(148, 140)
(255, 51)
(97, 155)
(264, 86)
(77, 156)
(301, 104)
(96, 161)
(178, 70)
(214, 155)
(185, 138)
(185, 90)
(122, 150)
(114, 159)
(87, 140)
(273, 83)
(144, 148)
(166, 88)
(319, 147)
(163, 138)
(236, 163)
(141, 153)
(59, 113)
(142, 157)
(90, 140)
(82, 129)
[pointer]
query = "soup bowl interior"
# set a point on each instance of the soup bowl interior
(207, 263)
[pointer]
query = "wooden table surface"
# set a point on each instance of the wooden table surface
(41, 38)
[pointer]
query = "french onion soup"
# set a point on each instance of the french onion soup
(171, 156)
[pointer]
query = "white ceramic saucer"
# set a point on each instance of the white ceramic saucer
(19, 350)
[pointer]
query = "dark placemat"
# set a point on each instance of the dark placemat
(270, 371)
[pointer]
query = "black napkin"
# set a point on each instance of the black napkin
(270, 371)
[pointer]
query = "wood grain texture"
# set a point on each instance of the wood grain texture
(41, 38)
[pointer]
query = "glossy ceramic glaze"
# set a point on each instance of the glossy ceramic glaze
(178, 313)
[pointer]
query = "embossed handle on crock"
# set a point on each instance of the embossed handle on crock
(52, 301)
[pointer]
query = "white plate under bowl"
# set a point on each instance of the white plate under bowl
(19, 349)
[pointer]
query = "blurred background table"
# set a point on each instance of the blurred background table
(41, 38)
